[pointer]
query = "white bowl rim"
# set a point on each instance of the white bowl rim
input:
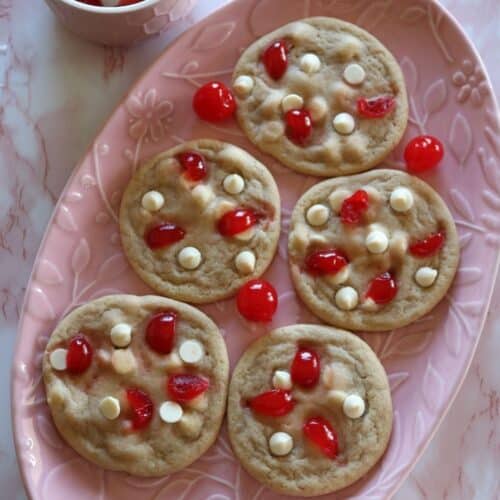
(141, 4)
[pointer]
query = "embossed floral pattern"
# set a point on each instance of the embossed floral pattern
(149, 116)
(471, 83)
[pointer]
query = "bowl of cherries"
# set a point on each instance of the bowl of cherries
(119, 22)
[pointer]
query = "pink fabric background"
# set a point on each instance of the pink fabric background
(46, 126)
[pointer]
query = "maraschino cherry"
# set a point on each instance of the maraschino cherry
(273, 403)
(382, 289)
(236, 221)
(275, 59)
(79, 356)
(376, 107)
(305, 369)
(298, 126)
(160, 332)
(354, 207)
(163, 235)
(319, 431)
(428, 246)
(324, 262)
(193, 164)
(141, 406)
(214, 102)
(423, 153)
(185, 387)
(257, 300)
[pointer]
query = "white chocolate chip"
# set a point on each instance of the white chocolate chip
(372, 192)
(336, 397)
(191, 351)
(317, 215)
(172, 363)
(401, 199)
(110, 407)
(299, 239)
(202, 195)
(426, 276)
(336, 199)
(199, 403)
(191, 425)
(121, 335)
(399, 243)
(152, 201)
(291, 101)
(369, 305)
(243, 85)
(377, 242)
(282, 380)
(346, 298)
(344, 123)
(310, 63)
(280, 444)
(353, 406)
(223, 207)
(123, 361)
(189, 258)
(170, 412)
(245, 262)
(339, 277)
(317, 108)
(103, 356)
(233, 184)
(57, 359)
(354, 74)
(246, 235)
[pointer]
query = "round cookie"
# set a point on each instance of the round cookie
(348, 87)
(346, 390)
(137, 384)
(372, 252)
(199, 220)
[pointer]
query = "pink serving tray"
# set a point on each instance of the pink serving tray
(80, 257)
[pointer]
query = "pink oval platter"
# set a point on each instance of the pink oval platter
(80, 257)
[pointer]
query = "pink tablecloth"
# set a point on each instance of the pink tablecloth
(56, 91)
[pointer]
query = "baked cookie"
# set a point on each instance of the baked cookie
(309, 409)
(200, 220)
(374, 251)
(137, 384)
(322, 96)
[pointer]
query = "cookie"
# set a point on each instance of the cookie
(137, 384)
(374, 251)
(199, 220)
(309, 409)
(321, 95)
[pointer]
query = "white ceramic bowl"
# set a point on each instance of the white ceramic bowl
(120, 26)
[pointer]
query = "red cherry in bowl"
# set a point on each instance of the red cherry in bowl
(423, 153)
(185, 387)
(214, 102)
(257, 300)
(79, 355)
(160, 332)
(274, 403)
(319, 431)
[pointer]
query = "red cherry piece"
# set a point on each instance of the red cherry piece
(275, 59)
(193, 164)
(305, 368)
(214, 102)
(257, 300)
(376, 107)
(428, 246)
(298, 125)
(160, 332)
(236, 221)
(322, 262)
(164, 235)
(423, 153)
(79, 355)
(274, 403)
(353, 208)
(97, 3)
(382, 289)
(142, 408)
(319, 431)
(185, 387)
